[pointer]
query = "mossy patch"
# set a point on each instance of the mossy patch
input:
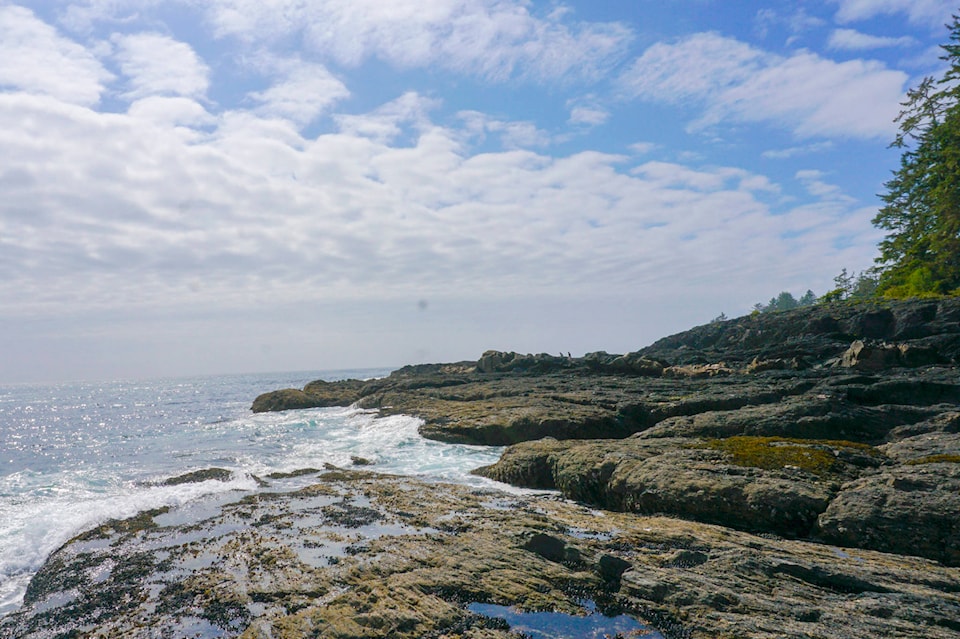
(139, 522)
(935, 459)
(295, 473)
(197, 476)
(816, 456)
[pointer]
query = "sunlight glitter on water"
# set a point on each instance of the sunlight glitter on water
(74, 456)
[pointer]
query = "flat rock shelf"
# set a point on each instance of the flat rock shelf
(358, 554)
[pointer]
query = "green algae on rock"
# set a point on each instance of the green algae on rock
(821, 457)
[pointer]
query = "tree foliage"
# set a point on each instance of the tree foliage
(921, 252)
(853, 286)
(785, 301)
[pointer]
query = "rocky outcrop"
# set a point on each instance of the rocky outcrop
(817, 333)
(910, 509)
(878, 357)
(508, 397)
(761, 469)
(359, 555)
(317, 394)
(784, 423)
(760, 484)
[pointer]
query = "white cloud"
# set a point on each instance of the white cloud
(642, 148)
(935, 13)
(82, 15)
(512, 134)
(808, 94)
(304, 91)
(496, 39)
(588, 115)
(386, 122)
(101, 211)
(692, 68)
(35, 58)
(179, 206)
(672, 175)
(171, 111)
(797, 21)
(815, 184)
(851, 39)
(925, 60)
(156, 64)
(782, 154)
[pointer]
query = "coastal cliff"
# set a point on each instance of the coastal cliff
(790, 474)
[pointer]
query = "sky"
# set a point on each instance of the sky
(222, 186)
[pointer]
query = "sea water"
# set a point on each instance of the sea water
(75, 455)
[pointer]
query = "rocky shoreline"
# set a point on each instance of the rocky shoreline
(789, 474)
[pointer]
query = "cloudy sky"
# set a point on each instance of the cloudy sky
(215, 186)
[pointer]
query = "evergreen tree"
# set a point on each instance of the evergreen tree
(865, 286)
(921, 253)
(843, 285)
(782, 302)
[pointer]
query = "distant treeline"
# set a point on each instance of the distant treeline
(848, 286)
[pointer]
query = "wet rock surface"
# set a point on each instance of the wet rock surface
(363, 555)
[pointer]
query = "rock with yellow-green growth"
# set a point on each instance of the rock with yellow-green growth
(762, 484)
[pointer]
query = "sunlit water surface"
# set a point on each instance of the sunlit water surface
(74, 455)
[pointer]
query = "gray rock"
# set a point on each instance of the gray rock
(909, 509)
(871, 357)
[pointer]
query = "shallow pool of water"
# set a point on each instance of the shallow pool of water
(558, 625)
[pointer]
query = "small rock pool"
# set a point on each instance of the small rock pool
(558, 625)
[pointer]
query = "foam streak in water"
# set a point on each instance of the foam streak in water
(74, 456)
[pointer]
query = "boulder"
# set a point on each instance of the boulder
(689, 484)
(913, 355)
(284, 399)
(316, 394)
(758, 365)
(810, 416)
(635, 364)
(871, 357)
(877, 357)
(493, 361)
(697, 371)
(909, 509)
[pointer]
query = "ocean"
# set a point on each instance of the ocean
(75, 455)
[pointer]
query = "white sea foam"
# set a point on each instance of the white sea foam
(77, 456)
(32, 528)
